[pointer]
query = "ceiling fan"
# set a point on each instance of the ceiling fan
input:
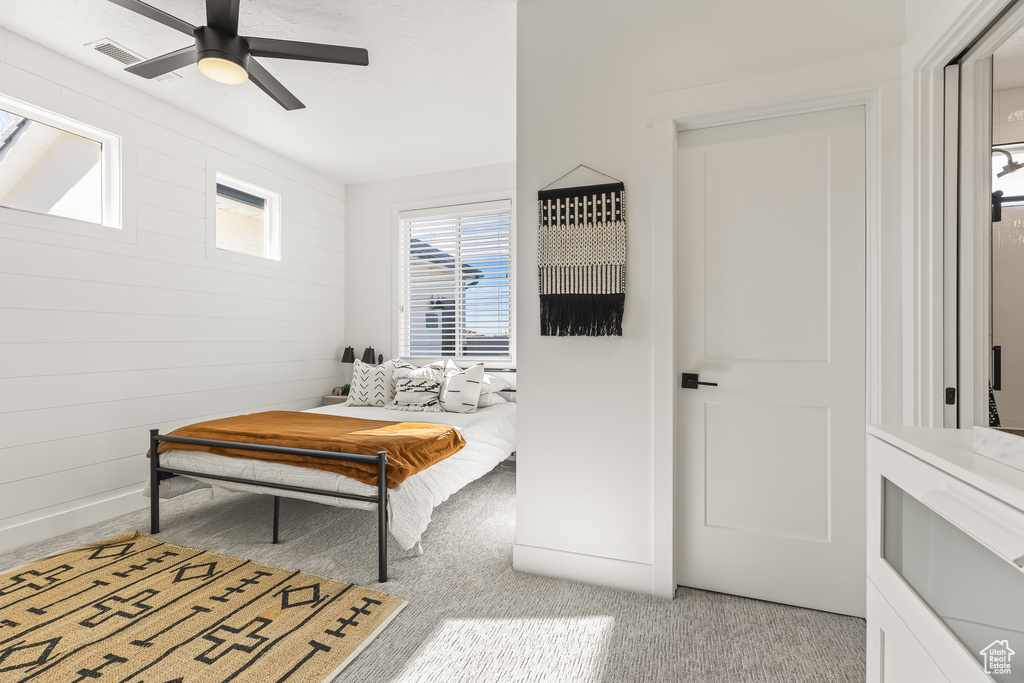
(226, 57)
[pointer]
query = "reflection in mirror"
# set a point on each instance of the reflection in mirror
(1007, 266)
(47, 170)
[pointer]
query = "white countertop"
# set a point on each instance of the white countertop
(950, 451)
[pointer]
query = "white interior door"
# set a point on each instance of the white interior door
(770, 494)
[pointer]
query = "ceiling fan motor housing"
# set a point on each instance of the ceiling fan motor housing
(214, 43)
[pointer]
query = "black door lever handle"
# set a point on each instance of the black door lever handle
(690, 381)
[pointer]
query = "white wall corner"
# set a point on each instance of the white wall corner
(598, 571)
(662, 150)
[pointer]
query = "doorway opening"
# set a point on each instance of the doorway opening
(984, 244)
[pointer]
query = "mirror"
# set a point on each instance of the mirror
(1007, 253)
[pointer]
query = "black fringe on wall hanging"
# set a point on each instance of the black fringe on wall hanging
(582, 260)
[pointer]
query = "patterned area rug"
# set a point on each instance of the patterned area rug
(131, 609)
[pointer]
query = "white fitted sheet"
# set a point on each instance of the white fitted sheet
(490, 435)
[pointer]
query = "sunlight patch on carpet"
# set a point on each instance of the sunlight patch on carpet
(542, 650)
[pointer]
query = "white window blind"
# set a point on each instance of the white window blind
(455, 281)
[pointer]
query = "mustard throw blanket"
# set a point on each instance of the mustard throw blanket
(411, 446)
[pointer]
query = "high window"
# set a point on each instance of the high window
(52, 165)
(455, 282)
(248, 219)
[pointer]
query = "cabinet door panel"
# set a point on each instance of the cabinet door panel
(894, 654)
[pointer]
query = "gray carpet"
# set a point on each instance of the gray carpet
(472, 618)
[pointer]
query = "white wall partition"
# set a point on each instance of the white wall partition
(106, 333)
(604, 84)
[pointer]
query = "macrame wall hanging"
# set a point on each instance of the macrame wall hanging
(582, 259)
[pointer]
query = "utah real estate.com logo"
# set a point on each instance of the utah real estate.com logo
(997, 657)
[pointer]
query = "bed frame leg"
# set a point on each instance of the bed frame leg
(154, 483)
(382, 516)
(277, 515)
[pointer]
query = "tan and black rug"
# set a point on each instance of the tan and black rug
(132, 609)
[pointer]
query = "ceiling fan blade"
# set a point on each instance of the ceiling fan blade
(155, 14)
(270, 85)
(223, 15)
(158, 66)
(310, 52)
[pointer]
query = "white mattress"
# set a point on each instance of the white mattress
(490, 435)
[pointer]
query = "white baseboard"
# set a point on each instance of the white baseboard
(600, 571)
(60, 519)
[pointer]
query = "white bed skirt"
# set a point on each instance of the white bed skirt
(490, 435)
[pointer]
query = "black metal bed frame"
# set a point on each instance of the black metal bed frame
(381, 499)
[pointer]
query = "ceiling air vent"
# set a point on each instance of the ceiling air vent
(115, 51)
(122, 54)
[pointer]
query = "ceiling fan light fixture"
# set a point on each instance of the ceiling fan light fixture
(224, 56)
(223, 70)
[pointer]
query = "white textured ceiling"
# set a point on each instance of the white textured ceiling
(439, 92)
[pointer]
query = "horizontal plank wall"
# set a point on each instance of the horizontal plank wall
(107, 333)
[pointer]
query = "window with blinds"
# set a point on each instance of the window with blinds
(455, 282)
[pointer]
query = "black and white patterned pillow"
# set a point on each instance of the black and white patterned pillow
(374, 385)
(461, 390)
(418, 389)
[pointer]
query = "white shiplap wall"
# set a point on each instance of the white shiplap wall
(106, 333)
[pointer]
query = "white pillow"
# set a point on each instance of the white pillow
(374, 385)
(418, 389)
(435, 370)
(490, 399)
(461, 390)
(492, 384)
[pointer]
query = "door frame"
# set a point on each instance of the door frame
(970, 204)
(662, 149)
(929, 341)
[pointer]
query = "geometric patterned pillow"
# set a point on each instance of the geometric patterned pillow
(461, 391)
(373, 385)
(418, 389)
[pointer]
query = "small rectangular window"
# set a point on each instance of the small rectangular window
(455, 282)
(248, 219)
(55, 166)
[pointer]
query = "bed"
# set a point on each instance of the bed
(490, 435)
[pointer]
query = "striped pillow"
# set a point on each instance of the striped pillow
(461, 390)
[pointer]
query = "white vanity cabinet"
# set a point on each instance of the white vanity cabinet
(945, 547)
